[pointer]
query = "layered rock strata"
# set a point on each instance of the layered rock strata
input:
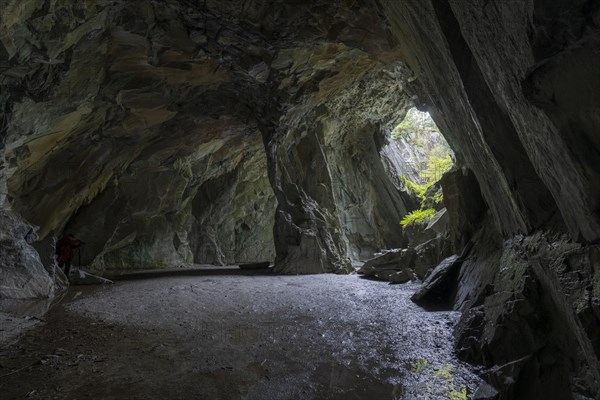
(500, 80)
(168, 133)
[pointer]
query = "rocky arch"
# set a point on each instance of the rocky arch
(159, 153)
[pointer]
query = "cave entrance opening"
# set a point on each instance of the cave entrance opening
(427, 157)
(416, 156)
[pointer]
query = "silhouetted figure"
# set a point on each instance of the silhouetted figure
(64, 251)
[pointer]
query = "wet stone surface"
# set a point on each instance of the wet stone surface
(233, 335)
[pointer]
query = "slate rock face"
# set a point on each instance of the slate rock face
(439, 286)
(22, 274)
(530, 323)
(465, 208)
(483, 73)
(500, 80)
(168, 133)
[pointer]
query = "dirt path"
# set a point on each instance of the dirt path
(225, 334)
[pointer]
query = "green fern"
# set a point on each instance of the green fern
(417, 217)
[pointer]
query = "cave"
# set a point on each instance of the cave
(255, 216)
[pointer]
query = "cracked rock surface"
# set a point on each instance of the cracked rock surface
(178, 132)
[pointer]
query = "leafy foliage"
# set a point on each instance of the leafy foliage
(438, 198)
(430, 194)
(419, 131)
(415, 188)
(415, 121)
(417, 217)
(436, 166)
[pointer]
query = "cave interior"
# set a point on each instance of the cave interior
(186, 136)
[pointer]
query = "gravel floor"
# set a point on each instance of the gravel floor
(231, 334)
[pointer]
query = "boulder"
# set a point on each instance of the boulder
(400, 276)
(440, 222)
(402, 265)
(430, 254)
(438, 289)
(395, 265)
(394, 259)
(21, 271)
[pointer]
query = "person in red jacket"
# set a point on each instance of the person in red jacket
(64, 251)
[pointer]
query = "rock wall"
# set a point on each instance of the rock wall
(500, 80)
(22, 274)
(530, 314)
(336, 175)
(234, 214)
(125, 120)
(166, 133)
(477, 65)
